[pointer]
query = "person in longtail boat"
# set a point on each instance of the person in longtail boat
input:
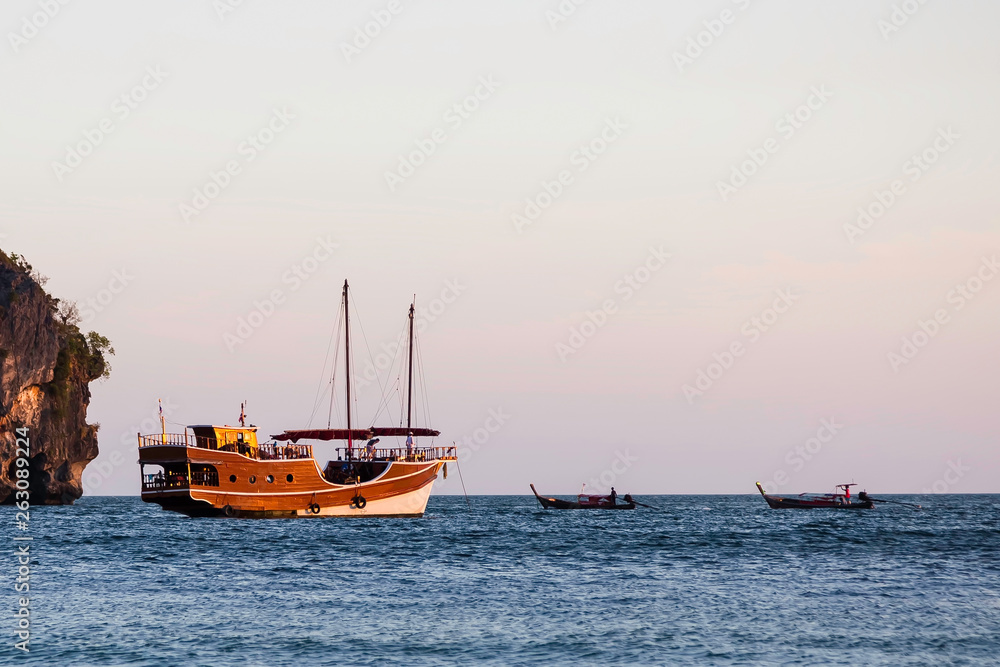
(614, 496)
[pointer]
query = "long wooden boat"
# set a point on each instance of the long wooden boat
(820, 500)
(224, 471)
(585, 502)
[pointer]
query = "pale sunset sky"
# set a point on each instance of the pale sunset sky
(675, 247)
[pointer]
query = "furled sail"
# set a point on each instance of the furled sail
(354, 434)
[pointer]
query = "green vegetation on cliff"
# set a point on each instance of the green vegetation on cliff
(46, 365)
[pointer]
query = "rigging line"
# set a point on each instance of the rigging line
(371, 357)
(384, 399)
(402, 365)
(384, 406)
(333, 378)
(400, 338)
(421, 388)
(350, 360)
(425, 403)
(459, 466)
(333, 369)
(322, 376)
(320, 392)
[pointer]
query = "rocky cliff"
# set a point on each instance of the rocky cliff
(46, 365)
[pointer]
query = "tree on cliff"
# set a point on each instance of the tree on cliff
(46, 366)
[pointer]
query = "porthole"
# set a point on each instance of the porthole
(232, 478)
(253, 479)
(289, 478)
(270, 479)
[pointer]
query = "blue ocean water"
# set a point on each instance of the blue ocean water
(708, 580)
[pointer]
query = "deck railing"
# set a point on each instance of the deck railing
(361, 453)
(161, 482)
(265, 452)
(270, 451)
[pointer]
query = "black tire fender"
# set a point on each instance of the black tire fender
(229, 511)
(359, 502)
(314, 508)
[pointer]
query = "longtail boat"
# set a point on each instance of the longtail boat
(820, 500)
(224, 471)
(585, 502)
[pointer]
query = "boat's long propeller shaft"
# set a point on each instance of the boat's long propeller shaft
(645, 505)
(894, 502)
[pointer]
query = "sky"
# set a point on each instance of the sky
(671, 247)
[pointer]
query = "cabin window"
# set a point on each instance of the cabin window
(270, 479)
(232, 478)
(253, 479)
(289, 478)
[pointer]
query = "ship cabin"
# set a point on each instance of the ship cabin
(172, 466)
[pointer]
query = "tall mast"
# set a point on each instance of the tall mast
(347, 364)
(409, 384)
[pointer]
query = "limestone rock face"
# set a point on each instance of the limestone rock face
(46, 365)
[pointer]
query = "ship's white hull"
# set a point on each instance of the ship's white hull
(410, 504)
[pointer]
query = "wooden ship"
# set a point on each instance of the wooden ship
(224, 471)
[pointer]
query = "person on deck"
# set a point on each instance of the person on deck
(370, 447)
(409, 445)
(614, 496)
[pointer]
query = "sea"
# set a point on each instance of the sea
(497, 580)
